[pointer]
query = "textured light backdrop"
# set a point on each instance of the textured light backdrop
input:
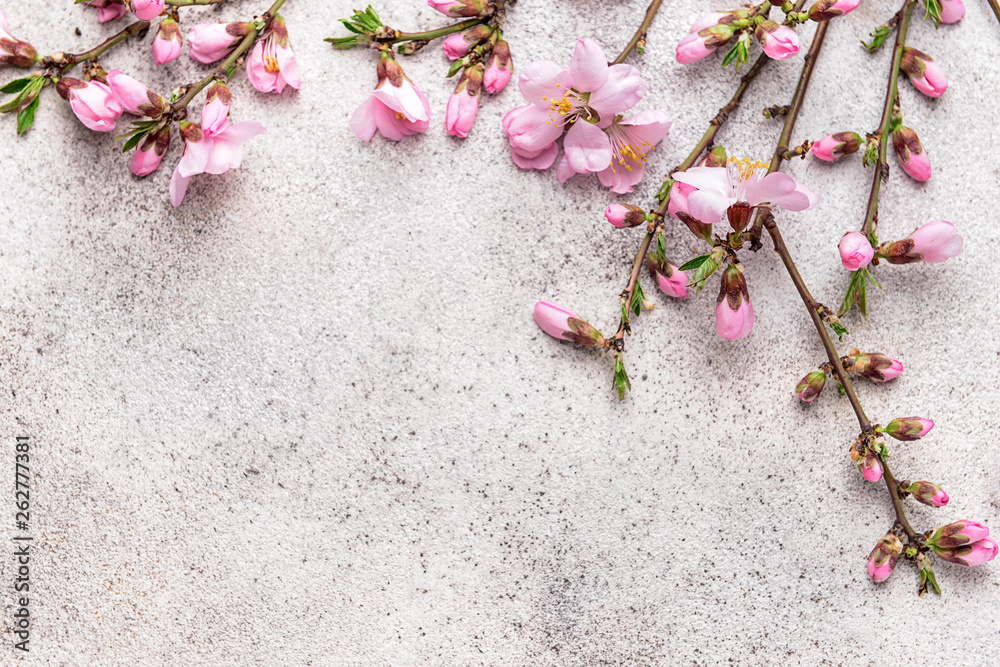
(307, 419)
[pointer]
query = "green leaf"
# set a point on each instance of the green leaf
(878, 38)
(664, 192)
(637, 298)
(353, 27)
(704, 272)
(624, 312)
(661, 245)
(134, 141)
(27, 117)
(732, 54)
(342, 43)
(840, 330)
(621, 379)
(853, 293)
(17, 85)
(696, 262)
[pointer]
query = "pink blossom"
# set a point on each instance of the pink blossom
(831, 148)
(458, 8)
(108, 10)
(883, 557)
(911, 154)
(877, 367)
(272, 65)
(908, 428)
(734, 312)
(560, 323)
(215, 147)
(740, 187)
(168, 41)
(631, 140)
(936, 241)
(92, 102)
(855, 251)
(809, 387)
(870, 466)
(146, 10)
(970, 555)
(463, 105)
(825, 10)
(499, 68)
(779, 41)
(925, 74)
(625, 215)
(679, 194)
(213, 41)
(14, 51)
(134, 96)
(396, 107)
(669, 278)
(701, 44)
(928, 494)
(952, 11)
(147, 157)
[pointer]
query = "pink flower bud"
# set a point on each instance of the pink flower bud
(883, 557)
(970, 555)
(457, 8)
(925, 74)
(810, 386)
(911, 154)
(148, 156)
(108, 10)
(734, 313)
(701, 44)
(957, 534)
(855, 251)
(952, 11)
(147, 10)
(670, 279)
(831, 148)
(779, 41)
(463, 105)
(934, 242)
(709, 20)
(213, 41)
(168, 41)
(134, 96)
(877, 367)
(455, 46)
(870, 466)
(560, 323)
(625, 215)
(499, 68)
(908, 428)
(13, 51)
(928, 494)
(92, 102)
(824, 10)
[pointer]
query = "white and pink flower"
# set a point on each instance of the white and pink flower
(272, 65)
(738, 188)
(396, 107)
(215, 147)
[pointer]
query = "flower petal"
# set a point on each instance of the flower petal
(589, 67)
(542, 159)
(770, 188)
(543, 81)
(802, 199)
(533, 129)
(622, 90)
(196, 154)
(363, 120)
(178, 187)
(587, 148)
(709, 179)
(708, 206)
(388, 123)
(619, 179)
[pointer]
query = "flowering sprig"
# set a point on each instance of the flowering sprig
(476, 46)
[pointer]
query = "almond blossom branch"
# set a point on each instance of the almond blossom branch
(230, 61)
(639, 38)
(995, 6)
(71, 60)
(428, 35)
(881, 166)
(193, 3)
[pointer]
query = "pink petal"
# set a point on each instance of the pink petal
(620, 180)
(226, 155)
(587, 148)
(388, 124)
(622, 90)
(533, 128)
(589, 67)
(242, 131)
(649, 126)
(260, 78)
(710, 179)
(196, 155)
(770, 188)
(543, 81)
(802, 199)
(178, 187)
(542, 160)
(564, 172)
(363, 120)
(406, 99)
(288, 67)
(708, 206)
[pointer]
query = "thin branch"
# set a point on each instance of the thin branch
(640, 33)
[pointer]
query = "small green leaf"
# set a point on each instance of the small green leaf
(637, 298)
(732, 54)
(17, 85)
(696, 262)
(27, 117)
(664, 192)
(621, 379)
(878, 38)
(661, 245)
(353, 27)
(863, 298)
(342, 43)
(851, 297)
(704, 272)
(134, 141)
(840, 330)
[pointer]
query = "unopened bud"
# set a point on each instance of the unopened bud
(883, 557)
(560, 323)
(625, 215)
(928, 494)
(908, 428)
(911, 154)
(824, 10)
(669, 278)
(925, 74)
(835, 146)
(458, 8)
(876, 366)
(811, 385)
(957, 534)
(716, 157)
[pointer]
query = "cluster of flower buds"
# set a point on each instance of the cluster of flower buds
(560, 323)
(585, 102)
(483, 57)
(874, 366)
(779, 42)
(963, 542)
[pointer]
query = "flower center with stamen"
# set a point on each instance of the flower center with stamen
(270, 55)
(571, 106)
(744, 172)
(627, 149)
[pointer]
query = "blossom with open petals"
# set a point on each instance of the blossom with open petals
(740, 187)
(215, 147)
(272, 65)
(396, 107)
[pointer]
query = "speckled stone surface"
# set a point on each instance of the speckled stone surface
(306, 418)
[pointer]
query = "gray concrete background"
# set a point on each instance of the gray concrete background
(306, 419)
